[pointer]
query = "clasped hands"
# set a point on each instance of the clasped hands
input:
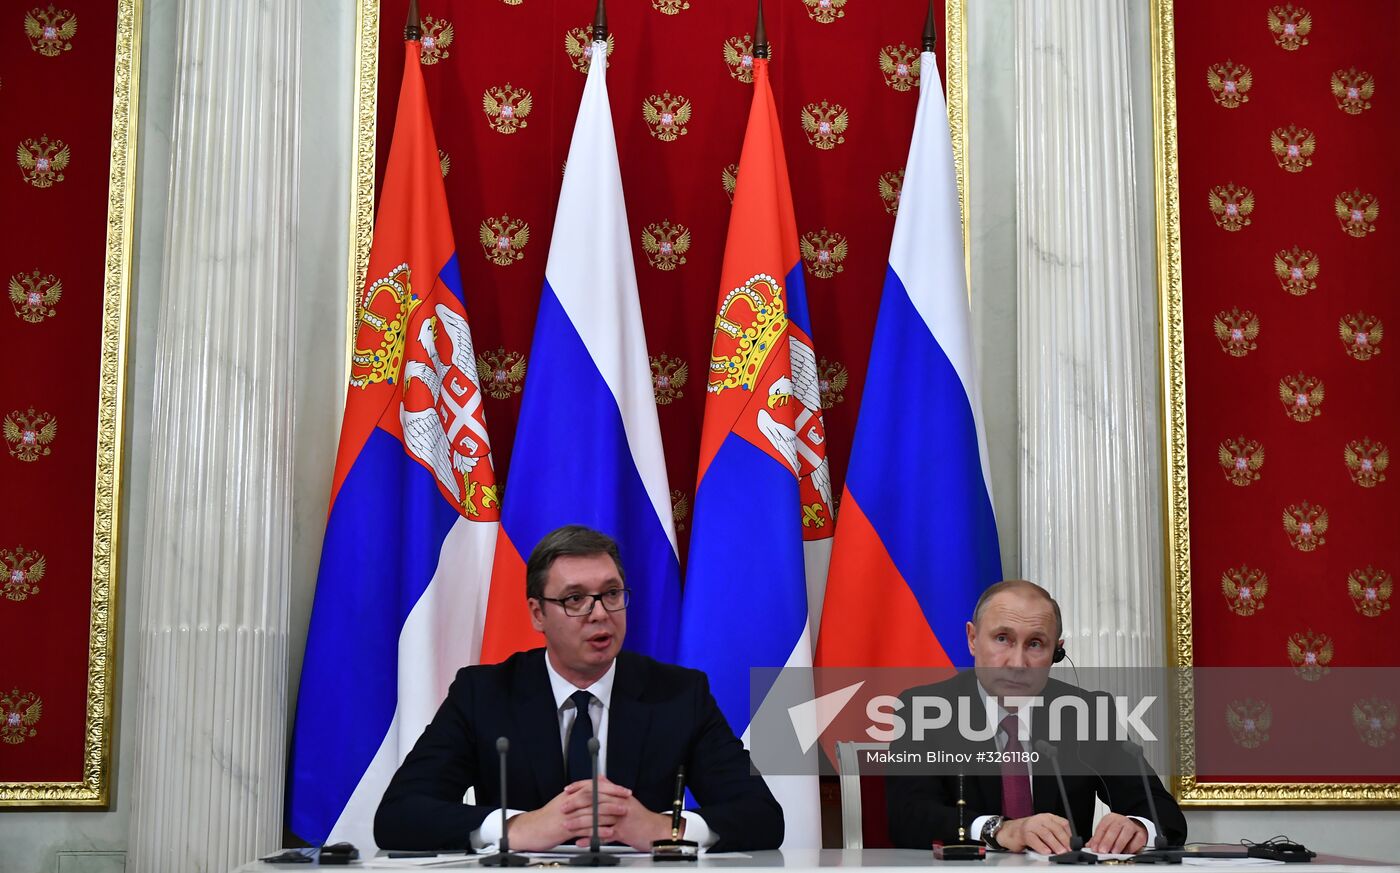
(1049, 834)
(569, 817)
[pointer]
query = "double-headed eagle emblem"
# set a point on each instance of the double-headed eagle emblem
(1229, 83)
(823, 251)
(437, 36)
(738, 57)
(21, 572)
(1237, 331)
(1297, 270)
(1357, 212)
(506, 108)
(30, 434)
(729, 178)
(1301, 396)
(1370, 590)
(1366, 461)
(1305, 525)
(503, 372)
(825, 11)
(680, 508)
(50, 31)
(1293, 147)
(42, 161)
(1375, 720)
(666, 116)
(35, 295)
(668, 376)
(1244, 589)
(665, 244)
(899, 64)
(891, 185)
(1249, 721)
(1240, 460)
(1353, 90)
(1231, 206)
(578, 45)
(1310, 653)
(1361, 335)
(825, 124)
(670, 7)
(503, 239)
(1290, 26)
(832, 379)
(18, 715)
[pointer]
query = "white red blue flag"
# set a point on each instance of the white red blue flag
(588, 445)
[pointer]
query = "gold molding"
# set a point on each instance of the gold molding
(94, 790)
(367, 109)
(1176, 510)
(955, 64)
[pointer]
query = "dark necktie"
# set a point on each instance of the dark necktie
(580, 763)
(1015, 775)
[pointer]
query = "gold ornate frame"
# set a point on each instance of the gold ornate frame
(94, 790)
(1180, 645)
(367, 107)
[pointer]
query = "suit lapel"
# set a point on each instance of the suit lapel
(537, 727)
(628, 720)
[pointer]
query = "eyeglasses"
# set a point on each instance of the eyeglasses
(579, 605)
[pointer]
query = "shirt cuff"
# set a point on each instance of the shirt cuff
(489, 834)
(697, 831)
(974, 833)
(1151, 829)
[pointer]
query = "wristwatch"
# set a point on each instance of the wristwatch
(989, 832)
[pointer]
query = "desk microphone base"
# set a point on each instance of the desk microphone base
(505, 859)
(1075, 856)
(593, 859)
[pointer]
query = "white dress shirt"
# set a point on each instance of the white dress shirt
(1023, 717)
(489, 833)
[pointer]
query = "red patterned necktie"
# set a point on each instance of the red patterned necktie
(1015, 775)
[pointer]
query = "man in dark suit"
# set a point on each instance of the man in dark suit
(1014, 805)
(650, 719)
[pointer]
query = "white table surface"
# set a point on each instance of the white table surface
(870, 859)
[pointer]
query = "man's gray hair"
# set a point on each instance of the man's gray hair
(1018, 585)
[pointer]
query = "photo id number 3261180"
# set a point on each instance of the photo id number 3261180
(1008, 757)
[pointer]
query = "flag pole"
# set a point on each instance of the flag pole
(930, 31)
(600, 23)
(760, 36)
(413, 28)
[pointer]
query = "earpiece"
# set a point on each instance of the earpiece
(1059, 655)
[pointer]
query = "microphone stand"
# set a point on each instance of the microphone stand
(1159, 853)
(1076, 853)
(505, 857)
(594, 857)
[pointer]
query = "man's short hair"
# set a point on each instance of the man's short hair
(569, 540)
(1018, 585)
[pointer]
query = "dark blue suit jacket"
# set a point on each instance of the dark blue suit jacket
(661, 716)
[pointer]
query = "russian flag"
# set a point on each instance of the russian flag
(588, 445)
(401, 590)
(917, 541)
(764, 491)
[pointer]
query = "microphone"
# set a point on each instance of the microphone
(594, 857)
(1159, 844)
(1076, 853)
(505, 857)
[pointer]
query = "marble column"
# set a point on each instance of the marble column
(211, 699)
(1090, 481)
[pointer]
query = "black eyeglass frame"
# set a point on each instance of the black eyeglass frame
(595, 600)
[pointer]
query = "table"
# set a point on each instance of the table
(867, 859)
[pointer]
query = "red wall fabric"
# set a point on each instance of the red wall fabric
(674, 50)
(1248, 86)
(55, 102)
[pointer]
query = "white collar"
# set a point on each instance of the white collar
(1023, 714)
(564, 689)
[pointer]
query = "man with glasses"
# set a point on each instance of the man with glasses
(649, 718)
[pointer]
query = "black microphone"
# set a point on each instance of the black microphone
(594, 857)
(1076, 853)
(1159, 843)
(505, 857)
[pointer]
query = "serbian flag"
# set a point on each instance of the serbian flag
(763, 502)
(588, 445)
(401, 591)
(917, 541)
